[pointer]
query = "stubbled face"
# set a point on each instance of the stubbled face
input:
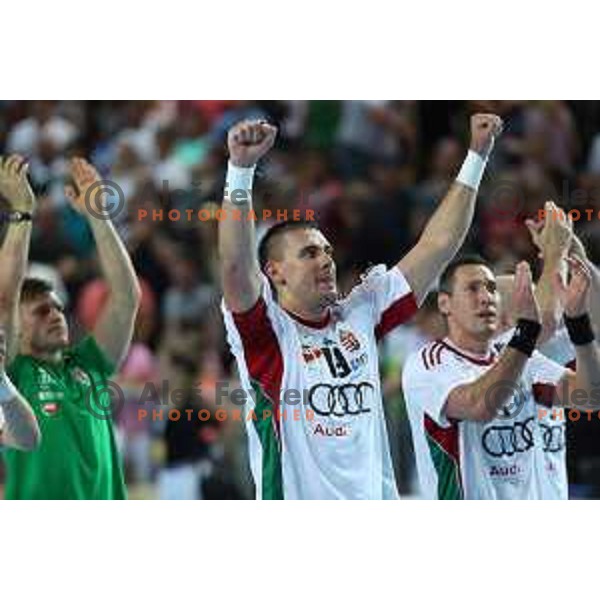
(43, 326)
(303, 270)
(472, 308)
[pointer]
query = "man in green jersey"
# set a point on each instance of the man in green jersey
(78, 457)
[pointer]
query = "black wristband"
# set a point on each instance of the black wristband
(580, 329)
(15, 216)
(525, 336)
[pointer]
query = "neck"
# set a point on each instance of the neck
(477, 346)
(49, 356)
(316, 314)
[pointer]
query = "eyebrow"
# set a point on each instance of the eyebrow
(311, 247)
(51, 304)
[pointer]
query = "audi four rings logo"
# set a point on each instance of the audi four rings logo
(553, 437)
(340, 400)
(508, 440)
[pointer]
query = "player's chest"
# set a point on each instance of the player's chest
(54, 390)
(342, 352)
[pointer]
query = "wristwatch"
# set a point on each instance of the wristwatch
(15, 216)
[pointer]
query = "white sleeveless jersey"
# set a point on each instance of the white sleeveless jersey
(468, 459)
(326, 436)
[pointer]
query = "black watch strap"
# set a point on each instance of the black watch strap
(15, 216)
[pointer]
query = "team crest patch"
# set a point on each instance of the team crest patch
(50, 409)
(349, 341)
(310, 353)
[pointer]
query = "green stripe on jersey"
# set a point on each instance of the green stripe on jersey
(272, 479)
(449, 484)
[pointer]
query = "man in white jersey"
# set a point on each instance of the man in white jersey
(472, 401)
(551, 469)
(303, 352)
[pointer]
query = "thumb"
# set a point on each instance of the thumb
(534, 228)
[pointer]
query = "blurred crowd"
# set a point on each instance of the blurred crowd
(373, 172)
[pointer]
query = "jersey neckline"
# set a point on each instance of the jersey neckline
(318, 324)
(478, 360)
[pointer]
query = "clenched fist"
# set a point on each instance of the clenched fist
(249, 141)
(485, 128)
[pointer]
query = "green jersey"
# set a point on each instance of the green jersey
(78, 457)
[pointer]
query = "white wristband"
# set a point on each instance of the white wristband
(472, 170)
(238, 184)
(8, 391)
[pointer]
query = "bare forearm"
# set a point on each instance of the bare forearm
(13, 260)
(481, 399)
(443, 236)
(588, 367)
(240, 271)
(595, 298)
(548, 300)
(448, 227)
(115, 263)
(20, 429)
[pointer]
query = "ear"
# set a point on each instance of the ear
(273, 272)
(444, 303)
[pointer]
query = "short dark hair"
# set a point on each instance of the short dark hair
(265, 246)
(33, 287)
(446, 280)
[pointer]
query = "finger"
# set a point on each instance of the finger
(533, 227)
(13, 163)
(577, 265)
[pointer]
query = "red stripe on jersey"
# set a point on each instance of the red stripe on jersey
(446, 437)
(544, 393)
(424, 357)
(430, 352)
(397, 313)
(261, 351)
(438, 356)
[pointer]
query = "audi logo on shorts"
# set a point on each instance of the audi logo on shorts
(340, 400)
(553, 437)
(508, 440)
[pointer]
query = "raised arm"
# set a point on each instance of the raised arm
(481, 399)
(114, 329)
(447, 229)
(240, 272)
(14, 251)
(578, 251)
(574, 298)
(19, 426)
(553, 238)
